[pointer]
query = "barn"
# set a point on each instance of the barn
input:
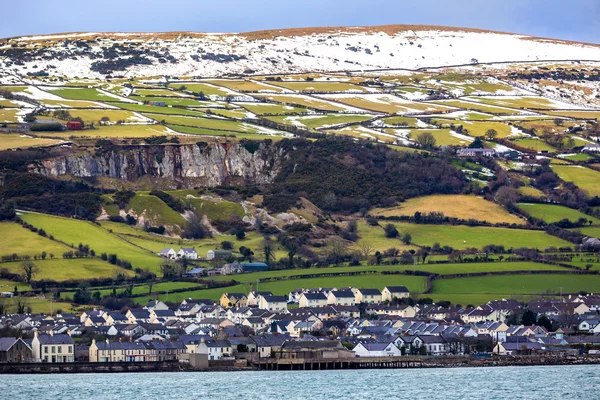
(74, 126)
(254, 267)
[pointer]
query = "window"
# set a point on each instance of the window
(45, 349)
(53, 349)
(60, 349)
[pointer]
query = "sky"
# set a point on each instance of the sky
(577, 20)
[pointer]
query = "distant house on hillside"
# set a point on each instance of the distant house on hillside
(188, 252)
(218, 254)
(254, 267)
(157, 103)
(468, 152)
(74, 125)
(591, 148)
(168, 253)
(196, 272)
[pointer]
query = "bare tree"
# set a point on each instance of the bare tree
(337, 249)
(29, 270)
(426, 140)
(366, 250)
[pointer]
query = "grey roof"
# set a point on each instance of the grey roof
(397, 289)
(324, 344)
(315, 296)
(370, 292)
(217, 343)
(343, 294)
(272, 299)
(269, 340)
(55, 339)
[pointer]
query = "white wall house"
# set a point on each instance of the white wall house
(377, 350)
(188, 253)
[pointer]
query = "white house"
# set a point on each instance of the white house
(377, 350)
(52, 348)
(394, 292)
(313, 300)
(168, 253)
(188, 253)
(218, 254)
(156, 305)
(368, 296)
(215, 349)
(341, 298)
(273, 303)
(590, 326)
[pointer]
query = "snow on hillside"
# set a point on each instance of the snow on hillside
(212, 55)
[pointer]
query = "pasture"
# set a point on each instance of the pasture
(19, 240)
(16, 141)
(320, 121)
(554, 213)
(585, 178)
(456, 206)
(245, 85)
(60, 269)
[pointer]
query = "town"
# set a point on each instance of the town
(309, 325)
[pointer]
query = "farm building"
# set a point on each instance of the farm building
(74, 125)
(196, 272)
(254, 267)
(188, 252)
(591, 148)
(468, 152)
(157, 103)
(168, 253)
(218, 254)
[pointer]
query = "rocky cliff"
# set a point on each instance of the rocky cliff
(199, 164)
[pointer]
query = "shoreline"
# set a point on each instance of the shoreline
(301, 365)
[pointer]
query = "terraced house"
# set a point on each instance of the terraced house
(53, 348)
(368, 296)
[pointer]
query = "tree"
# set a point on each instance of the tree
(426, 140)
(545, 322)
(29, 270)
(529, 318)
(169, 269)
(407, 238)
(558, 122)
(337, 249)
(268, 251)
(390, 231)
(22, 305)
(194, 229)
(226, 245)
(507, 196)
(491, 134)
(366, 250)
(476, 144)
(246, 253)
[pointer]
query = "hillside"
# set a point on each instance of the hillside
(98, 55)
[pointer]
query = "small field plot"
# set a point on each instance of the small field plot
(113, 116)
(463, 237)
(214, 210)
(385, 103)
(119, 131)
(541, 124)
(535, 144)
(273, 109)
(75, 104)
(577, 157)
(531, 192)
(479, 128)
(154, 211)
(374, 236)
(175, 101)
(468, 105)
(101, 241)
(245, 86)
(588, 115)
(10, 115)
(16, 141)
(320, 121)
(443, 137)
(160, 110)
(466, 268)
(514, 285)
(16, 239)
(205, 88)
(585, 178)
(522, 102)
(322, 86)
(554, 213)
(298, 100)
(456, 206)
(83, 94)
(407, 122)
(158, 93)
(71, 269)
(219, 124)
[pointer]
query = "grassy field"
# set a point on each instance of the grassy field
(320, 121)
(65, 269)
(402, 121)
(158, 93)
(467, 105)
(208, 123)
(118, 131)
(321, 86)
(174, 101)
(457, 206)
(578, 157)
(585, 178)
(155, 211)
(554, 213)
(479, 128)
(270, 108)
(387, 104)
(522, 102)
(535, 144)
(463, 237)
(81, 94)
(145, 108)
(16, 141)
(531, 191)
(374, 236)
(588, 115)
(96, 115)
(443, 137)
(230, 134)
(245, 86)
(9, 286)
(9, 115)
(74, 104)
(16, 239)
(101, 241)
(305, 101)
(40, 305)
(208, 90)
(214, 210)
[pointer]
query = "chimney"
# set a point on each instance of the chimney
(93, 342)
(35, 334)
(107, 341)
(51, 332)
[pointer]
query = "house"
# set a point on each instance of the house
(510, 348)
(404, 310)
(74, 125)
(254, 267)
(267, 345)
(218, 254)
(163, 350)
(368, 296)
(229, 300)
(106, 351)
(341, 298)
(312, 300)
(196, 272)
(156, 305)
(157, 103)
(168, 253)
(137, 315)
(113, 318)
(14, 350)
(231, 269)
(52, 348)
(394, 292)
(591, 148)
(377, 350)
(161, 316)
(254, 296)
(324, 349)
(468, 152)
(273, 303)
(434, 345)
(307, 326)
(215, 349)
(590, 325)
(187, 253)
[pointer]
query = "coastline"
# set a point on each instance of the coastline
(301, 365)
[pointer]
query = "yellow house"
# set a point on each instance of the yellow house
(368, 296)
(53, 348)
(117, 351)
(312, 300)
(229, 300)
(394, 292)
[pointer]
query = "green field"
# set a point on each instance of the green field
(463, 237)
(387, 104)
(478, 128)
(61, 269)
(145, 108)
(214, 210)
(304, 101)
(554, 213)
(270, 108)
(15, 141)
(208, 123)
(374, 236)
(467, 105)
(114, 115)
(208, 90)
(81, 94)
(535, 144)
(75, 231)
(9, 115)
(585, 178)
(118, 131)
(16, 239)
(578, 157)
(245, 85)
(531, 191)
(320, 121)
(175, 101)
(522, 102)
(155, 211)
(443, 137)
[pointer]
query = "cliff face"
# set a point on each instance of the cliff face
(197, 164)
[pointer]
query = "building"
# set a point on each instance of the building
(106, 351)
(196, 272)
(14, 350)
(341, 298)
(368, 296)
(316, 350)
(273, 303)
(254, 267)
(591, 148)
(468, 152)
(313, 300)
(52, 348)
(188, 253)
(218, 254)
(253, 297)
(215, 349)
(229, 300)
(157, 103)
(394, 292)
(377, 350)
(168, 253)
(74, 126)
